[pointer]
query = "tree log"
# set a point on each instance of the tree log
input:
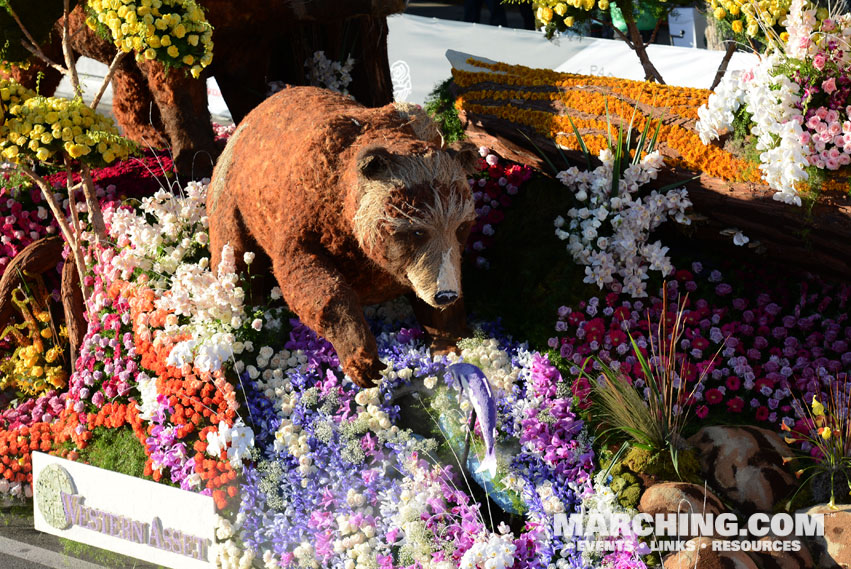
(818, 239)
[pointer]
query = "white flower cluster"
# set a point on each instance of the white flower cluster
(603, 502)
(623, 250)
(214, 304)
(226, 552)
(495, 363)
(357, 539)
(179, 226)
(772, 98)
(495, 553)
(238, 440)
(147, 387)
(716, 116)
(332, 75)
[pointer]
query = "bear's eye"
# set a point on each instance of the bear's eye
(418, 233)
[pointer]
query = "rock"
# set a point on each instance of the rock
(800, 559)
(834, 548)
(702, 556)
(679, 497)
(744, 465)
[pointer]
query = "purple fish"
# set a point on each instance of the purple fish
(474, 383)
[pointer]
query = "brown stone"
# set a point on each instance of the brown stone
(679, 498)
(832, 550)
(800, 559)
(744, 466)
(702, 556)
(289, 186)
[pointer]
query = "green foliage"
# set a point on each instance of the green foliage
(117, 450)
(652, 419)
(625, 484)
(440, 105)
(828, 431)
(661, 466)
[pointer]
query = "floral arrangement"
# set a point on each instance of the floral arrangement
(24, 219)
(333, 75)
(777, 342)
(35, 366)
(750, 18)
(175, 32)
(521, 89)
(494, 188)
(793, 103)
(39, 127)
(609, 231)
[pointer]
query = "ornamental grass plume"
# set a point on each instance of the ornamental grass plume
(826, 427)
(652, 420)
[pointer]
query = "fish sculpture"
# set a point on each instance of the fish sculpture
(475, 385)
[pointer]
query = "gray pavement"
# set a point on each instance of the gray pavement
(22, 547)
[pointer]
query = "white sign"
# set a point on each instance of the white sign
(135, 517)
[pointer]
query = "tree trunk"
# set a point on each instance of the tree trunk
(75, 310)
(650, 71)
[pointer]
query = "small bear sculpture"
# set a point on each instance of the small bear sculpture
(347, 206)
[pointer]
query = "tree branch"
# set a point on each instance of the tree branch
(66, 49)
(722, 69)
(617, 31)
(32, 46)
(113, 67)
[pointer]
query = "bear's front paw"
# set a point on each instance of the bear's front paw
(364, 370)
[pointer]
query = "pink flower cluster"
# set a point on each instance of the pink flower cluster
(493, 189)
(831, 139)
(774, 346)
(24, 218)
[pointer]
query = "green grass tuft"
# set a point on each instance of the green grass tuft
(117, 450)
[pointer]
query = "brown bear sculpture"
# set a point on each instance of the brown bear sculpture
(350, 206)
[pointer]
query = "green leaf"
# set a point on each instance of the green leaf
(540, 152)
(581, 142)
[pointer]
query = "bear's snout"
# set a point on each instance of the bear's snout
(445, 297)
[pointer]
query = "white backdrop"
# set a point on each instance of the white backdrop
(417, 48)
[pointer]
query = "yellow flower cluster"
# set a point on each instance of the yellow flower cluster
(564, 11)
(39, 127)
(175, 32)
(744, 15)
(542, 100)
(32, 368)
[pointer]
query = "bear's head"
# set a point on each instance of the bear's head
(414, 215)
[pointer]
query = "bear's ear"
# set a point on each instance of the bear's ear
(466, 154)
(374, 163)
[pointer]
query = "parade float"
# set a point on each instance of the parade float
(651, 317)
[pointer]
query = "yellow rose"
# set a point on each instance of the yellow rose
(560, 8)
(545, 14)
(188, 59)
(719, 13)
(173, 51)
(737, 26)
(165, 40)
(150, 53)
(569, 21)
(603, 4)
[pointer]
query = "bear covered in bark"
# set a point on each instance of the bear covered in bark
(349, 206)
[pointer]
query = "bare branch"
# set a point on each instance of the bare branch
(66, 49)
(617, 32)
(30, 44)
(113, 67)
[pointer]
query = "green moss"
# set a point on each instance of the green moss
(117, 450)
(661, 466)
(440, 105)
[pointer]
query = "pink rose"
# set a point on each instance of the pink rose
(829, 86)
(819, 60)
